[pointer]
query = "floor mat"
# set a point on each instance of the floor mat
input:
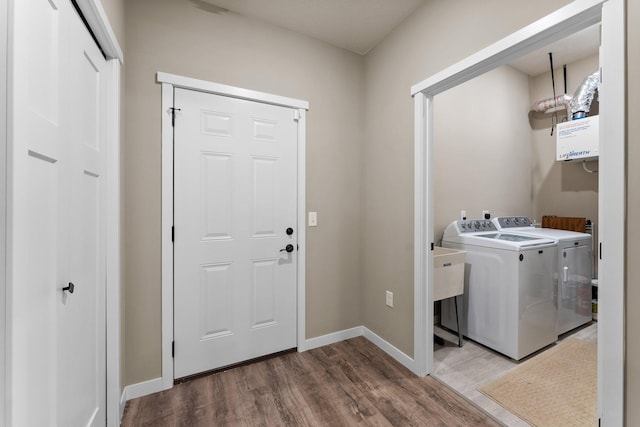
(555, 388)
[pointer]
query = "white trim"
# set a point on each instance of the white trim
(123, 402)
(145, 388)
(332, 338)
(573, 17)
(611, 216)
(168, 83)
(113, 305)
(167, 244)
(361, 331)
(97, 19)
(388, 348)
(559, 24)
(4, 21)
(302, 228)
(422, 347)
(232, 91)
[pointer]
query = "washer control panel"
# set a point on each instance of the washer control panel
(475, 225)
(513, 221)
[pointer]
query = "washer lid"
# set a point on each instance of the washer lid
(464, 233)
(508, 237)
(522, 224)
(507, 241)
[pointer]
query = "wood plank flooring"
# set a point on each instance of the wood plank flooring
(348, 383)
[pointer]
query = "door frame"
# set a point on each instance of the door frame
(98, 21)
(169, 82)
(611, 203)
(4, 101)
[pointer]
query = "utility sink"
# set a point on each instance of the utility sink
(448, 272)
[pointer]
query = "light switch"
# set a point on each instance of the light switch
(313, 219)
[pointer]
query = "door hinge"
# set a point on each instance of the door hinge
(600, 251)
(432, 245)
(173, 115)
(173, 349)
(296, 115)
(172, 233)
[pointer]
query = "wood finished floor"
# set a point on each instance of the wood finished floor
(348, 383)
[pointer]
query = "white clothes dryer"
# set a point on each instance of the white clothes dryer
(575, 269)
(509, 298)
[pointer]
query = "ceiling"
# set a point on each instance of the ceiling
(354, 25)
(359, 25)
(570, 49)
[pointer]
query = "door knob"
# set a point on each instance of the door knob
(69, 288)
(288, 248)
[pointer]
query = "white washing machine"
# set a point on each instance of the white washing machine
(509, 298)
(575, 269)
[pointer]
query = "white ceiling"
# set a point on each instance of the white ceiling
(355, 25)
(359, 25)
(570, 49)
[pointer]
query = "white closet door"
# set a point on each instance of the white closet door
(81, 314)
(58, 372)
(35, 187)
(235, 197)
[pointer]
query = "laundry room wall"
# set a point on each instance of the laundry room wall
(436, 36)
(191, 38)
(632, 297)
(561, 188)
(482, 148)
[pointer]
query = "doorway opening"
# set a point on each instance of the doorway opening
(556, 26)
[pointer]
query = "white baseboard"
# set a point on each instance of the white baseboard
(155, 385)
(123, 403)
(138, 390)
(388, 348)
(331, 338)
(358, 331)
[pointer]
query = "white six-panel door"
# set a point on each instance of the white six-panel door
(58, 372)
(235, 196)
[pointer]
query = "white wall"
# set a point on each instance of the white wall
(482, 154)
(182, 38)
(437, 35)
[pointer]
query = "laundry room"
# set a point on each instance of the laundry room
(496, 170)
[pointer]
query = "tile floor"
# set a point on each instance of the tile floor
(467, 368)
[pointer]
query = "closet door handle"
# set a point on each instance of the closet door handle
(69, 288)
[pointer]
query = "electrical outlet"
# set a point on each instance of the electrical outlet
(390, 298)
